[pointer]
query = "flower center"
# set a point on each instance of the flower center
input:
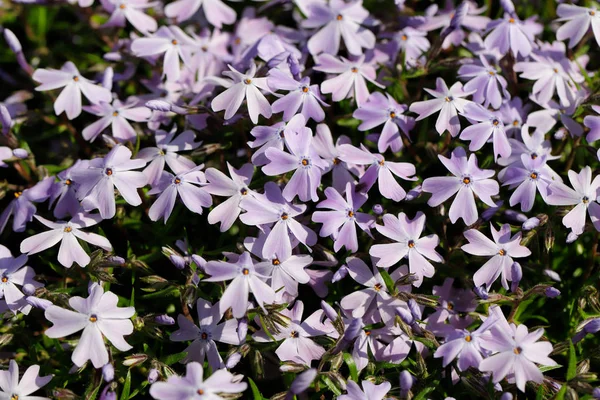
(115, 113)
(516, 122)
(305, 162)
(339, 17)
(247, 81)
(350, 213)
(204, 48)
(585, 200)
(354, 69)
(177, 181)
(466, 180)
(76, 78)
(534, 156)
(108, 171)
(533, 175)
(377, 287)
(14, 397)
(592, 13)
(336, 161)
(382, 163)
(68, 229)
(555, 70)
(517, 350)
(411, 244)
(204, 336)
(284, 216)
(502, 252)
(276, 261)
(4, 279)
(450, 306)
(122, 6)
(174, 42)
(237, 41)
(93, 318)
(468, 338)
(305, 89)
(492, 73)
(200, 392)
(18, 194)
(368, 333)
(294, 334)
(511, 21)
(245, 271)
(404, 37)
(448, 99)
(392, 115)
(68, 182)
(243, 191)
(495, 122)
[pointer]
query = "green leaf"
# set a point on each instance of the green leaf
(572, 366)
(561, 393)
(168, 292)
(351, 366)
(331, 385)
(423, 393)
(545, 369)
(126, 387)
(173, 358)
(255, 392)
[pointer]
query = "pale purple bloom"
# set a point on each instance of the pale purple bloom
(242, 86)
(509, 34)
(5, 154)
(533, 145)
(285, 271)
(188, 185)
(13, 272)
(449, 102)
(380, 109)
(501, 250)
(593, 123)
(453, 20)
(97, 183)
(11, 387)
(518, 353)
(338, 20)
(578, 20)
(64, 192)
(69, 99)
(489, 125)
(351, 80)
(409, 243)
(171, 41)
(342, 172)
(22, 208)
(514, 114)
(342, 220)
(245, 279)
(302, 382)
(370, 391)
(453, 304)
(99, 317)
(302, 95)
(468, 180)
(303, 160)
(270, 136)
(235, 188)
(486, 83)
(379, 171)
(584, 196)
(116, 115)
(193, 383)
(271, 207)
(413, 44)
(217, 13)
(167, 147)
(129, 10)
(67, 233)
(205, 334)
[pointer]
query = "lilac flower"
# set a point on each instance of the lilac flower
(584, 195)
(379, 170)
(205, 334)
(5, 154)
(97, 182)
(413, 43)
(13, 273)
(338, 20)
(285, 271)
(513, 114)
(115, 115)
(170, 40)
(245, 279)
(501, 250)
(509, 33)
(593, 123)
(370, 391)
(194, 385)
(69, 99)
(64, 192)
(489, 125)
(381, 110)
(578, 20)
(13, 388)
(217, 13)
(518, 355)
(453, 303)
(129, 10)
(453, 19)
(240, 87)
(271, 207)
(235, 188)
(167, 147)
(99, 317)
(468, 180)
(407, 234)
(67, 234)
(342, 220)
(297, 345)
(449, 102)
(533, 145)
(301, 383)
(22, 208)
(351, 79)
(486, 84)
(301, 95)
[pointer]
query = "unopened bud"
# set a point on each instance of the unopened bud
(108, 394)
(552, 275)
(178, 261)
(353, 329)
(517, 275)
(552, 292)
(340, 274)
(406, 382)
(12, 41)
(378, 209)
(158, 105)
(164, 320)
(108, 372)
(242, 330)
(152, 375)
(414, 308)
(530, 224)
(593, 326)
(405, 315)
(5, 119)
(38, 303)
(413, 193)
(571, 237)
(28, 289)
(303, 381)
(135, 359)
(233, 360)
(515, 216)
(329, 311)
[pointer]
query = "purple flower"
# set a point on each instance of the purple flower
(235, 188)
(552, 112)
(301, 95)
(468, 180)
(206, 334)
(409, 243)
(285, 272)
(486, 84)
(338, 20)
(217, 13)
(584, 196)
(532, 145)
(302, 382)
(69, 100)
(501, 250)
(240, 87)
(245, 279)
(490, 125)
(167, 147)
(351, 79)
(593, 123)
(370, 391)
(97, 183)
(64, 192)
(270, 136)
(449, 102)
(188, 185)
(379, 171)
(116, 115)
(342, 220)
(453, 304)
(22, 208)
(13, 273)
(129, 10)
(13, 388)
(193, 385)
(305, 162)
(413, 43)
(99, 317)
(381, 110)
(67, 234)
(517, 354)
(509, 33)
(578, 20)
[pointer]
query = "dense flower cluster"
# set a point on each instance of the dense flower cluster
(344, 182)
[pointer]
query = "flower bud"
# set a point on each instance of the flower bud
(487, 215)
(378, 209)
(294, 66)
(108, 394)
(5, 119)
(340, 274)
(405, 315)
(158, 105)
(329, 311)
(459, 15)
(596, 393)
(560, 134)
(593, 326)
(353, 329)
(530, 224)
(413, 193)
(28, 289)
(578, 337)
(571, 237)
(107, 78)
(177, 260)
(135, 359)
(414, 308)
(233, 360)
(515, 216)
(303, 381)
(292, 367)
(506, 396)
(508, 6)
(242, 330)
(20, 153)
(517, 275)
(482, 292)
(108, 372)
(152, 375)
(552, 275)
(406, 382)
(551, 292)
(164, 320)
(38, 303)
(12, 41)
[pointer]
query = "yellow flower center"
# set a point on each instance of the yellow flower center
(492, 73)
(247, 81)
(502, 252)
(294, 334)
(115, 113)
(533, 175)
(204, 336)
(4, 279)
(68, 182)
(466, 180)
(339, 17)
(392, 115)
(68, 229)
(305, 89)
(517, 350)
(351, 213)
(245, 271)
(276, 261)
(468, 338)
(354, 69)
(244, 191)
(174, 42)
(76, 78)
(93, 318)
(122, 6)
(109, 171)
(18, 194)
(404, 37)
(304, 162)
(200, 392)
(516, 122)
(377, 287)
(411, 244)
(511, 21)
(284, 216)
(177, 181)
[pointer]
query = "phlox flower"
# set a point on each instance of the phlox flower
(593, 123)
(509, 34)
(11, 387)
(513, 114)
(413, 44)
(64, 192)
(369, 391)
(577, 23)
(552, 112)
(205, 335)
(485, 82)
(22, 208)
(301, 96)
(468, 180)
(409, 243)
(217, 13)
(489, 125)
(245, 279)
(502, 250)
(533, 145)
(453, 304)
(67, 233)
(129, 10)
(271, 136)
(116, 115)
(284, 271)
(74, 84)
(99, 317)
(13, 273)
